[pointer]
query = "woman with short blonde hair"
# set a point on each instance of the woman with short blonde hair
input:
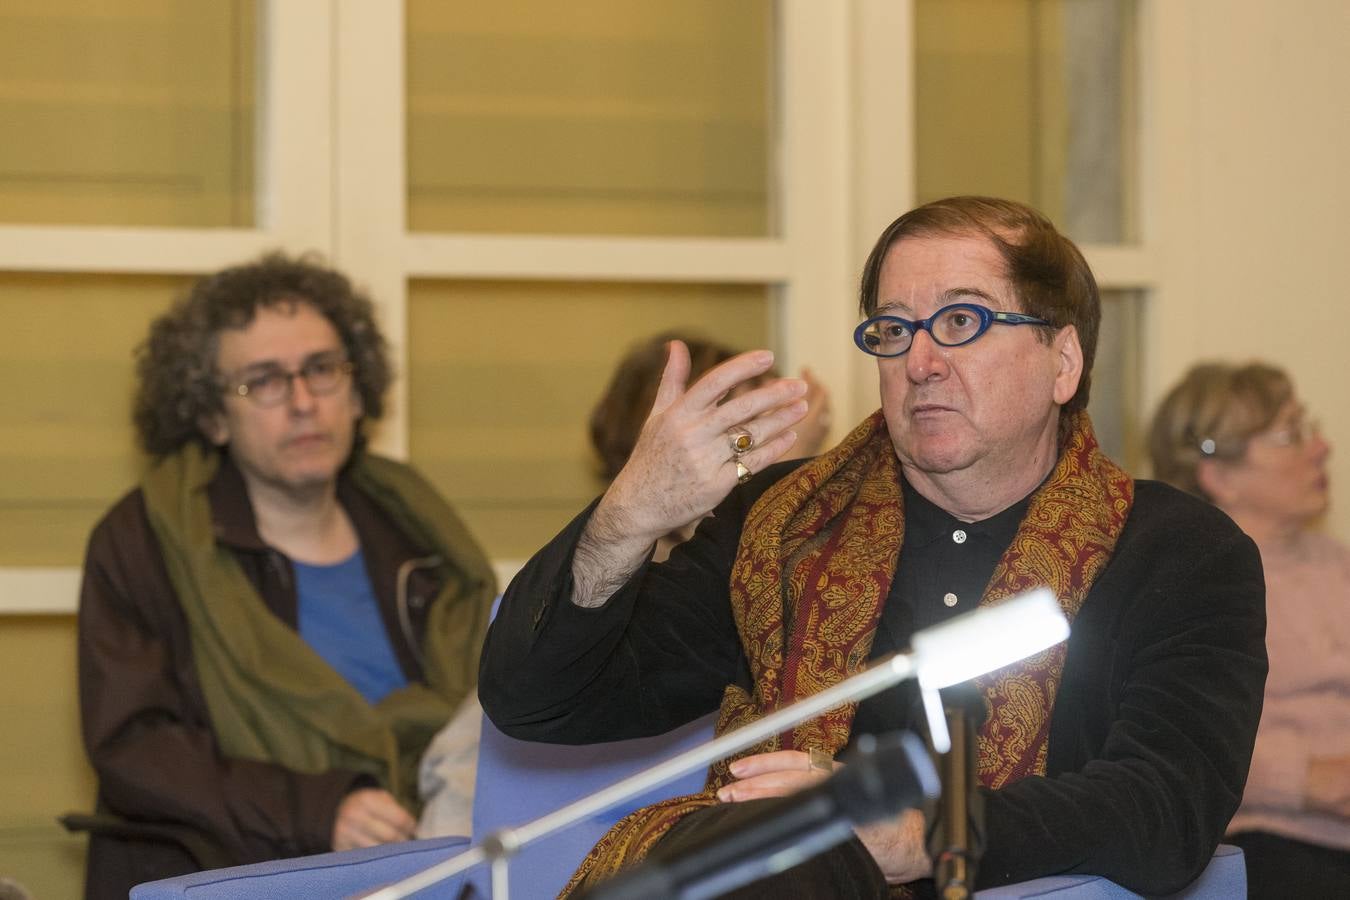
(1238, 436)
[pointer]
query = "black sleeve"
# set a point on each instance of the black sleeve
(658, 654)
(1154, 755)
(146, 727)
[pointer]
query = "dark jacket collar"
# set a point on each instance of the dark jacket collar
(232, 516)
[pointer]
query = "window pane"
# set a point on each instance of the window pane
(1117, 378)
(66, 443)
(503, 377)
(127, 112)
(1033, 100)
(591, 116)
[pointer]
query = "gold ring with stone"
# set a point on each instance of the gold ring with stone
(820, 759)
(743, 473)
(741, 442)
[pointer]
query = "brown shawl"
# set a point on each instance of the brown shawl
(816, 558)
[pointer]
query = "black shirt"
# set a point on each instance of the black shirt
(944, 568)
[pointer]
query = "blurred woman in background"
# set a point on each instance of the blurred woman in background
(623, 408)
(1239, 437)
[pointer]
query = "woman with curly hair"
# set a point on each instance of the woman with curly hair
(275, 622)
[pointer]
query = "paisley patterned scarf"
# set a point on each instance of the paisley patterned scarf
(817, 555)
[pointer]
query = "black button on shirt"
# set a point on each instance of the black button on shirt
(935, 561)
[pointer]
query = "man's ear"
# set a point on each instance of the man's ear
(215, 428)
(1069, 353)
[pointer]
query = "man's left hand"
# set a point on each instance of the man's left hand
(774, 774)
(896, 844)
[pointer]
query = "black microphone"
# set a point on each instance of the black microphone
(956, 840)
(883, 776)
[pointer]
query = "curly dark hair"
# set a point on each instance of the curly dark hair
(1052, 280)
(176, 366)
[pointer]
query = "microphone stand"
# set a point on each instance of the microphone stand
(958, 838)
(957, 650)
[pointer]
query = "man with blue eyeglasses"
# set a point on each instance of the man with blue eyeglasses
(1122, 752)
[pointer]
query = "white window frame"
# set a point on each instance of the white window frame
(333, 179)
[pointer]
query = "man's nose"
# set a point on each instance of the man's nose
(300, 398)
(925, 359)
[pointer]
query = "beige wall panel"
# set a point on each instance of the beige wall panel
(503, 377)
(1033, 100)
(66, 441)
(43, 771)
(138, 112)
(599, 116)
(1252, 201)
(975, 98)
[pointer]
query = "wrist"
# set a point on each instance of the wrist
(608, 552)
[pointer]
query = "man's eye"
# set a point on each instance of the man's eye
(960, 319)
(895, 331)
(322, 367)
(261, 384)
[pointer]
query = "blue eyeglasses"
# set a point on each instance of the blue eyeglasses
(951, 326)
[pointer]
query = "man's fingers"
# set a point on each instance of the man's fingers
(753, 410)
(767, 426)
(371, 816)
(762, 457)
(770, 784)
(777, 761)
(387, 811)
(773, 774)
(673, 377)
(720, 380)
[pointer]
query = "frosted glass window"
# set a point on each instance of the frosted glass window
(500, 425)
(1117, 379)
(1033, 100)
(66, 442)
(591, 116)
(128, 112)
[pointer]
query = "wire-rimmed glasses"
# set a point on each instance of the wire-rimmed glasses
(323, 374)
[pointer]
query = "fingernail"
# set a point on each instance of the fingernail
(764, 357)
(736, 768)
(724, 794)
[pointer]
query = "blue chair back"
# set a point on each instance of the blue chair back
(519, 781)
(324, 875)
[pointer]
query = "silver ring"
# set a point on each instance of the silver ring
(743, 473)
(741, 442)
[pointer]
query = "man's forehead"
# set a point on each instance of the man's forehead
(904, 307)
(285, 334)
(921, 270)
(970, 251)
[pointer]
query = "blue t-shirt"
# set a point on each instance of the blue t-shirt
(340, 619)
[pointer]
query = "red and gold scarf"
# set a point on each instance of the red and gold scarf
(817, 555)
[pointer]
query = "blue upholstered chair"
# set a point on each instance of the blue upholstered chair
(518, 782)
(327, 875)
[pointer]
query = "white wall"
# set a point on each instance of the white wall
(1250, 209)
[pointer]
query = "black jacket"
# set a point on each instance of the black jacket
(1152, 729)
